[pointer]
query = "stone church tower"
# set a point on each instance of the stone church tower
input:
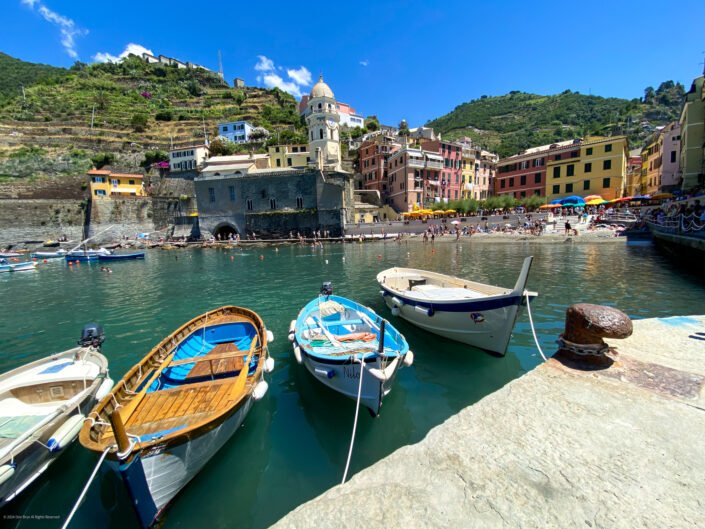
(323, 123)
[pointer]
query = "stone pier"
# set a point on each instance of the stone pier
(612, 447)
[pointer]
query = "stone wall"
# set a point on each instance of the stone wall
(127, 216)
(40, 219)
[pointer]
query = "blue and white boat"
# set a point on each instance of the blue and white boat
(477, 314)
(336, 338)
(25, 266)
(58, 254)
(180, 404)
(121, 256)
(86, 255)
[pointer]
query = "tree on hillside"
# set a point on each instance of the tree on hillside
(649, 94)
(221, 147)
(372, 124)
(138, 122)
(403, 128)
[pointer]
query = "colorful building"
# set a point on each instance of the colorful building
(594, 166)
(348, 116)
(634, 164)
(524, 175)
(414, 178)
(671, 157)
(189, 158)
(236, 131)
(373, 155)
(106, 184)
(289, 156)
(651, 165)
(692, 128)
(452, 173)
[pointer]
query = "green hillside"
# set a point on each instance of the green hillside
(128, 108)
(14, 74)
(510, 123)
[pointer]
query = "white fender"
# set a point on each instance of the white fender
(421, 310)
(104, 388)
(396, 311)
(270, 336)
(260, 390)
(397, 301)
(6, 472)
(66, 433)
(384, 374)
(269, 365)
(292, 330)
(297, 354)
(408, 358)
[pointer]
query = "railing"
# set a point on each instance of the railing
(679, 225)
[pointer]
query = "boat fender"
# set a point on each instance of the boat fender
(422, 310)
(260, 390)
(396, 311)
(66, 433)
(270, 336)
(292, 330)
(104, 388)
(329, 373)
(408, 358)
(397, 301)
(384, 374)
(6, 472)
(297, 353)
(269, 365)
(383, 293)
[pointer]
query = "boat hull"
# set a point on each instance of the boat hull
(483, 325)
(154, 477)
(121, 257)
(18, 267)
(344, 377)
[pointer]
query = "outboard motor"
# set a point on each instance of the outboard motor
(327, 288)
(92, 335)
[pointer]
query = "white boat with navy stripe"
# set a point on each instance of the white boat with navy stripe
(477, 314)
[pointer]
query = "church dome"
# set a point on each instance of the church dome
(321, 89)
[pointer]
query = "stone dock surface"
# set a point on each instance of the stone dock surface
(621, 447)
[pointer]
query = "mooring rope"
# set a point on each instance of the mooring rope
(357, 410)
(531, 321)
(85, 488)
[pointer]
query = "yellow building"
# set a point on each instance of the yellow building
(469, 159)
(289, 156)
(651, 166)
(106, 184)
(692, 124)
(594, 166)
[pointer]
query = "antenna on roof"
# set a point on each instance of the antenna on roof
(220, 65)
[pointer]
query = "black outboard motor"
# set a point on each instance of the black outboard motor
(327, 288)
(92, 335)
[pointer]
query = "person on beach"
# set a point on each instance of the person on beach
(425, 237)
(567, 228)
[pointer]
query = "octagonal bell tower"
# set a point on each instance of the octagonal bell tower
(323, 123)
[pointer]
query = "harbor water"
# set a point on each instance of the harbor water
(293, 444)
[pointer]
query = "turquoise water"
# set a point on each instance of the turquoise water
(294, 443)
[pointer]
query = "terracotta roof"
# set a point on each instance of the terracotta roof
(127, 175)
(98, 172)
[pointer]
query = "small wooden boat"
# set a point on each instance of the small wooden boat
(334, 337)
(477, 314)
(121, 256)
(25, 266)
(9, 255)
(42, 408)
(58, 254)
(86, 255)
(180, 404)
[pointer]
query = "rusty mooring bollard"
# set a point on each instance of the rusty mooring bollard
(585, 327)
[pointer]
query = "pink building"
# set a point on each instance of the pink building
(414, 178)
(373, 155)
(452, 170)
(671, 158)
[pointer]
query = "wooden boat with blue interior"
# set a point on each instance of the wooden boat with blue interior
(179, 405)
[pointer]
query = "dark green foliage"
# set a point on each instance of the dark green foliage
(511, 123)
(138, 122)
(151, 157)
(163, 115)
(17, 73)
(219, 147)
(102, 159)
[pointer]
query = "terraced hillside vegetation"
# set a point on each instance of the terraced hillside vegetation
(510, 123)
(124, 110)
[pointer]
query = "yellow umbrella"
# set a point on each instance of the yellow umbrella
(659, 196)
(596, 202)
(450, 211)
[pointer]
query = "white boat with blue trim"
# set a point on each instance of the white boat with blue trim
(25, 266)
(42, 407)
(334, 337)
(180, 404)
(477, 314)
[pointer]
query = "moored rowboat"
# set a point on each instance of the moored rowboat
(474, 313)
(333, 337)
(179, 405)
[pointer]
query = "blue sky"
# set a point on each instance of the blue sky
(397, 59)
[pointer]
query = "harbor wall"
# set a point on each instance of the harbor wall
(40, 220)
(126, 217)
(618, 446)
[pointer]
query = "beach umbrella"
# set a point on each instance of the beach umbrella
(450, 211)
(455, 222)
(556, 201)
(642, 197)
(661, 196)
(596, 202)
(590, 198)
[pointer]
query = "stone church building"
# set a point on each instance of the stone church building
(242, 194)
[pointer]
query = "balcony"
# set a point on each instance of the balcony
(433, 165)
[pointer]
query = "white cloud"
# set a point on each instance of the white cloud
(264, 64)
(298, 77)
(365, 62)
(67, 27)
(131, 48)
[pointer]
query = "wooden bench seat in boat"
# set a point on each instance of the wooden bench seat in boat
(219, 365)
(434, 292)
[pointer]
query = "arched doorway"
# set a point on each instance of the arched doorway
(224, 232)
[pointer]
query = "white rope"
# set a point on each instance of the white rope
(531, 321)
(85, 488)
(357, 409)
